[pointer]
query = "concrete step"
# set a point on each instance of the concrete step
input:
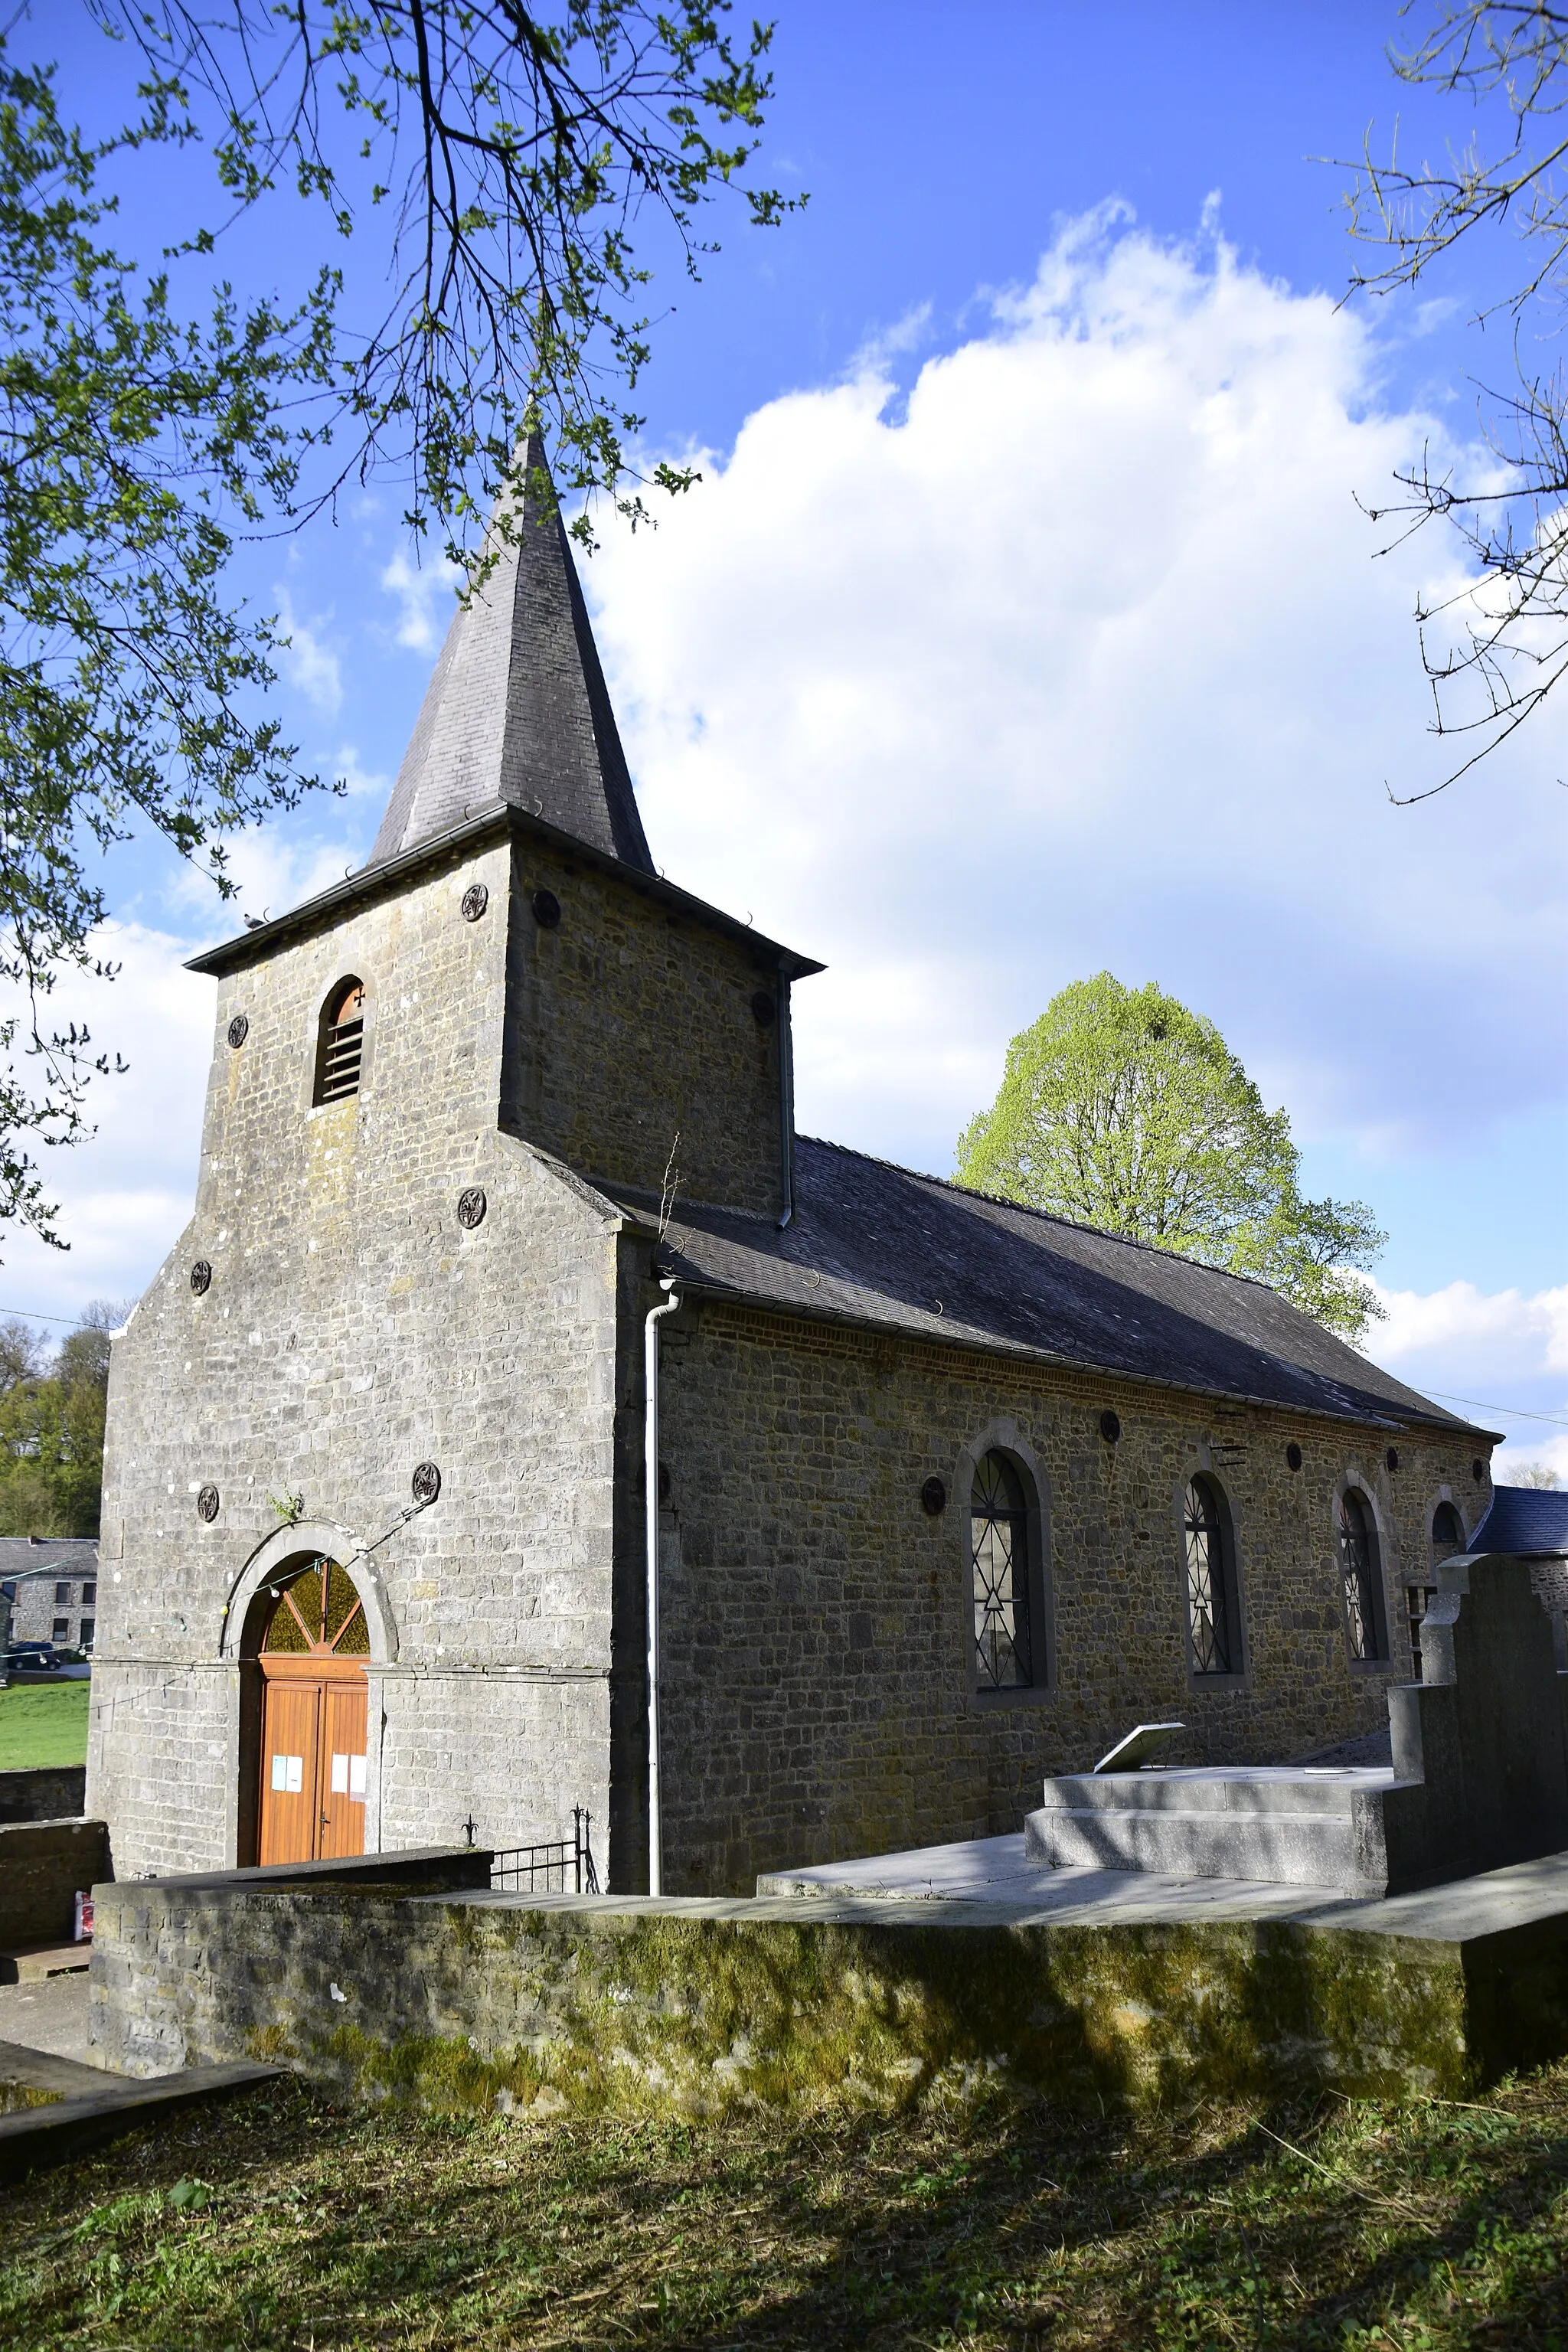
(1285, 1849)
(1251, 1790)
(33, 1962)
(44, 2135)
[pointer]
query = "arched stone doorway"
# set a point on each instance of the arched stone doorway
(314, 1710)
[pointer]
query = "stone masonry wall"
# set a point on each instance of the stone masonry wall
(485, 2003)
(819, 1697)
(631, 1025)
(353, 1330)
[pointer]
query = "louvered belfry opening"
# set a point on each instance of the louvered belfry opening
(339, 1054)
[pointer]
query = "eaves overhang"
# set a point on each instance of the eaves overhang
(373, 883)
(971, 1341)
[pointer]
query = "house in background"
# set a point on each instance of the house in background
(53, 1582)
(949, 1493)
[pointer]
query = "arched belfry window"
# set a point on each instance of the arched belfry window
(1448, 1533)
(1211, 1583)
(340, 1048)
(999, 1557)
(1362, 1577)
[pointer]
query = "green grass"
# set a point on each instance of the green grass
(43, 1724)
(287, 2222)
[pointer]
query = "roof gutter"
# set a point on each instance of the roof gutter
(786, 1104)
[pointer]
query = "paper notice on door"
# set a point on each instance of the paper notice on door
(289, 1774)
(356, 1777)
(340, 1776)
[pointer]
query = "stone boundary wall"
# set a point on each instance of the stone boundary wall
(162, 1953)
(44, 1792)
(43, 1864)
(503, 2002)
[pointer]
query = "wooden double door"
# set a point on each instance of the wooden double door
(313, 1761)
(314, 1714)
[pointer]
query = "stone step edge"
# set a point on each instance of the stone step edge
(1334, 1804)
(38, 2136)
(1229, 1825)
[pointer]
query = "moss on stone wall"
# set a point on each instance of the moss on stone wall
(598, 2007)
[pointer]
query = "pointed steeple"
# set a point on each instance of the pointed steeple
(517, 709)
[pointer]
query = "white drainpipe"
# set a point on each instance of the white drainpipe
(650, 1473)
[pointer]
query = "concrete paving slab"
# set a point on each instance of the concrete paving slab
(48, 2016)
(999, 1872)
(33, 1963)
(1494, 1903)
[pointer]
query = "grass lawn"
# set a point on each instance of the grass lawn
(40, 1724)
(289, 2222)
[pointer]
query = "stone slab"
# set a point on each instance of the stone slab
(40, 2070)
(40, 2136)
(38, 1962)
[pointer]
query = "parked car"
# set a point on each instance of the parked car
(33, 1658)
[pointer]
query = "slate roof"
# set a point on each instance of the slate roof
(1524, 1519)
(872, 1244)
(517, 711)
(63, 1555)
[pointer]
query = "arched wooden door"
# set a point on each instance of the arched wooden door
(314, 1710)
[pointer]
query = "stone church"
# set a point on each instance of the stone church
(950, 1493)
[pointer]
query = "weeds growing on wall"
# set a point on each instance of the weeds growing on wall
(289, 2222)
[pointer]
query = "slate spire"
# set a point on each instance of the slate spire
(517, 709)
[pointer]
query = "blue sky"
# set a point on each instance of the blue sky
(1024, 624)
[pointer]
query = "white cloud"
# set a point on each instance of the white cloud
(1077, 657)
(359, 782)
(1501, 1330)
(126, 1192)
(1498, 1356)
(308, 662)
(425, 593)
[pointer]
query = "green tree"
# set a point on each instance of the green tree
(51, 1426)
(1120, 1108)
(1492, 652)
(497, 162)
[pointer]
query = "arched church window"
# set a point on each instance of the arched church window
(340, 1048)
(999, 1556)
(1361, 1576)
(318, 1614)
(1211, 1609)
(1448, 1533)
(1447, 1538)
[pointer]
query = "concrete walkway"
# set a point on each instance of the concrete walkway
(49, 2016)
(996, 1871)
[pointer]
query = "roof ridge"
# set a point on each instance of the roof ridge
(1046, 1216)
